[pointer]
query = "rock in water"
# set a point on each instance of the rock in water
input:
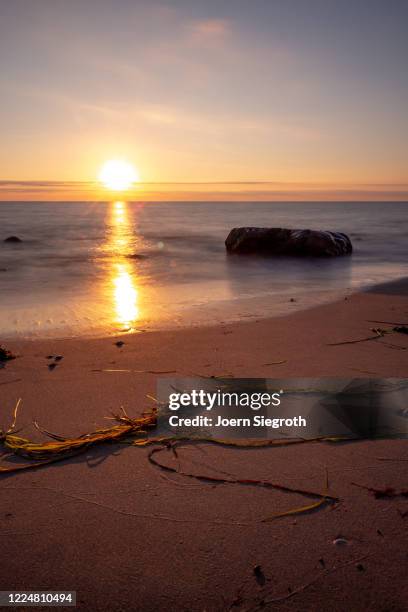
(280, 241)
(13, 239)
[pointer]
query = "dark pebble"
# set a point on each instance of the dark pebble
(259, 575)
(13, 239)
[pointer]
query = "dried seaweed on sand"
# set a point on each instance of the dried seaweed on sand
(379, 333)
(136, 431)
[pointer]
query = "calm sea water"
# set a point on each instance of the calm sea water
(87, 269)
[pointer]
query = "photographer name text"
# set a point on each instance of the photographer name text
(220, 421)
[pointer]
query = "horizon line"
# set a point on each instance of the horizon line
(97, 183)
(14, 190)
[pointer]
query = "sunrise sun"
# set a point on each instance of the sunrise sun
(118, 175)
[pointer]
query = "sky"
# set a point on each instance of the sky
(285, 99)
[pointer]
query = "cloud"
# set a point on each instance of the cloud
(209, 30)
(211, 27)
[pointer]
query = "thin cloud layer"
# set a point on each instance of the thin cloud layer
(223, 191)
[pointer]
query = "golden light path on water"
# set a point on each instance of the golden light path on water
(122, 276)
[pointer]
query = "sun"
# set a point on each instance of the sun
(118, 175)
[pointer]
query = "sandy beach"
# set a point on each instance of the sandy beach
(203, 306)
(126, 535)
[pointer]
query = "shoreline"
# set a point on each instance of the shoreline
(288, 306)
(176, 543)
(398, 289)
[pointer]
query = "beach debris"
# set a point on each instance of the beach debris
(14, 239)
(110, 370)
(301, 510)
(292, 300)
(119, 343)
(61, 447)
(340, 541)
(271, 363)
(307, 585)
(5, 354)
(392, 458)
(58, 357)
(323, 498)
(322, 563)
(10, 430)
(387, 322)
(136, 371)
(135, 431)
(156, 371)
(52, 366)
(379, 333)
(360, 567)
(259, 575)
(282, 241)
(385, 493)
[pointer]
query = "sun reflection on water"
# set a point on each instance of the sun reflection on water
(126, 296)
(123, 281)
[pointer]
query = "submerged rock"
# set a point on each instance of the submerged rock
(281, 241)
(13, 239)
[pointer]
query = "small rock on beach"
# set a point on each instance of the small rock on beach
(14, 239)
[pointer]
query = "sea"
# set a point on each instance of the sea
(93, 269)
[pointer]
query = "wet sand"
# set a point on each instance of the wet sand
(127, 536)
